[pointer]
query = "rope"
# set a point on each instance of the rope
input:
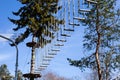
(69, 11)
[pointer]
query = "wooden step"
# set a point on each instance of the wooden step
(52, 53)
(84, 10)
(65, 35)
(69, 30)
(48, 56)
(46, 59)
(59, 45)
(55, 50)
(74, 24)
(92, 2)
(43, 66)
(61, 40)
(45, 63)
(78, 18)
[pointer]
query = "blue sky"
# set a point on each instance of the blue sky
(72, 49)
(59, 64)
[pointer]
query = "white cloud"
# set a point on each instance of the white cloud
(4, 57)
(6, 35)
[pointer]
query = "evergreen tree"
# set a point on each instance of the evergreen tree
(101, 39)
(20, 75)
(36, 17)
(4, 72)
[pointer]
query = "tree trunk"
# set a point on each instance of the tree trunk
(32, 59)
(98, 44)
(107, 73)
(97, 58)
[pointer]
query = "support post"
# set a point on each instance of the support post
(16, 65)
(32, 75)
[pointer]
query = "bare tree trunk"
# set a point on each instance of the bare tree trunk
(106, 67)
(107, 72)
(32, 60)
(97, 58)
(98, 44)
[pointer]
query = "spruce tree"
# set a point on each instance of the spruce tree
(4, 72)
(101, 39)
(36, 17)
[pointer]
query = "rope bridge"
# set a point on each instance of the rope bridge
(72, 13)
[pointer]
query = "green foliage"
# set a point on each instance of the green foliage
(103, 19)
(36, 17)
(86, 62)
(107, 23)
(4, 72)
(20, 75)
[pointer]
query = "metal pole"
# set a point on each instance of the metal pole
(16, 65)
